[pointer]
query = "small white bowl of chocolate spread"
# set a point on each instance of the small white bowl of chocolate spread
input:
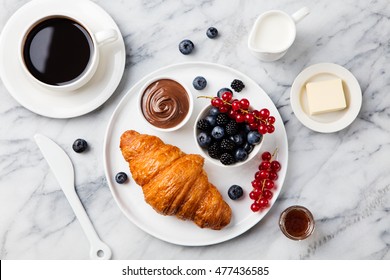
(165, 104)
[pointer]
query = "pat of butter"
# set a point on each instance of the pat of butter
(325, 96)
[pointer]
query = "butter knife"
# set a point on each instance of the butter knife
(62, 168)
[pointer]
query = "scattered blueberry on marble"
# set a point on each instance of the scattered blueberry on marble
(199, 83)
(121, 177)
(186, 46)
(79, 145)
(212, 32)
(235, 192)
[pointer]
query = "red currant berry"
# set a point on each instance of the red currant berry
(255, 207)
(270, 128)
(232, 114)
(276, 166)
(269, 184)
(256, 113)
(262, 129)
(263, 202)
(216, 102)
(257, 175)
(266, 156)
(244, 103)
(264, 114)
(258, 191)
(227, 96)
(256, 184)
(264, 174)
(236, 105)
(224, 108)
(240, 118)
(253, 126)
(254, 195)
(249, 118)
(273, 176)
(265, 165)
(267, 194)
(271, 120)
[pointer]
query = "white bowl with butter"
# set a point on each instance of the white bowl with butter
(326, 97)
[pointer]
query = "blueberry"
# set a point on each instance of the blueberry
(218, 132)
(79, 145)
(238, 139)
(247, 128)
(248, 147)
(222, 90)
(186, 46)
(199, 83)
(240, 154)
(214, 111)
(212, 120)
(121, 177)
(254, 137)
(235, 192)
(212, 32)
(204, 139)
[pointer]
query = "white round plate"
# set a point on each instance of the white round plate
(327, 122)
(129, 196)
(60, 104)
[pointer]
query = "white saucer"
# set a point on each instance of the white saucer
(56, 104)
(327, 122)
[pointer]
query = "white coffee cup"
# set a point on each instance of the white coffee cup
(67, 72)
(273, 33)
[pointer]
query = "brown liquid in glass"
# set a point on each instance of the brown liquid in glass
(297, 223)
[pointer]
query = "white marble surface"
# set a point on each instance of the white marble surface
(342, 177)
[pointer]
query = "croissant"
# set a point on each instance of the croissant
(174, 183)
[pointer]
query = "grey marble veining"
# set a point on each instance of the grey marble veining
(342, 177)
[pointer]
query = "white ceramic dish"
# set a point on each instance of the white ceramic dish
(41, 100)
(327, 122)
(203, 113)
(170, 129)
(129, 196)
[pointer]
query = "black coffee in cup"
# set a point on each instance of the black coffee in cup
(57, 51)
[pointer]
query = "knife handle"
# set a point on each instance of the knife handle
(99, 250)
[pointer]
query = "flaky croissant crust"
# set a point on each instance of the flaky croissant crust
(174, 183)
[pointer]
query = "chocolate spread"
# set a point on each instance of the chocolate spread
(165, 103)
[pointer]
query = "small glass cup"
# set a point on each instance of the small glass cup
(296, 222)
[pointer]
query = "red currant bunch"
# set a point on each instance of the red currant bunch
(238, 110)
(264, 181)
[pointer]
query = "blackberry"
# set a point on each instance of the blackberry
(227, 145)
(231, 128)
(227, 159)
(214, 150)
(237, 85)
(203, 125)
(222, 119)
